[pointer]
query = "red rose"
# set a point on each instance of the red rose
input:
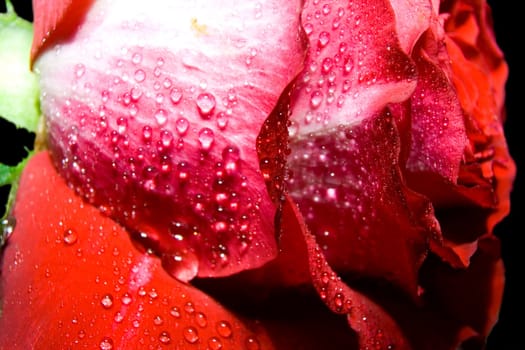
(261, 175)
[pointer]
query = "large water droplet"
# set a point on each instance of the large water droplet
(106, 344)
(107, 301)
(166, 138)
(191, 335)
(126, 299)
(224, 329)
(70, 236)
(324, 39)
(140, 75)
(165, 337)
(316, 99)
(136, 58)
(214, 343)
(175, 95)
(184, 266)
(182, 126)
(205, 104)
(206, 138)
(201, 319)
(161, 116)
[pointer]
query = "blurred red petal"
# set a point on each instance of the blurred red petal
(54, 20)
(71, 277)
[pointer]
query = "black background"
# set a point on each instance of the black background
(509, 34)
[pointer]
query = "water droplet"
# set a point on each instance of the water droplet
(184, 266)
(175, 95)
(222, 120)
(189, 307)
(107, 301)
(161, 116)
(166, 138)
(206, 138)
(164, 337)
(182, 126)
(201, 319)
(224, 329)
(122, 125)
(80, 69)
(135, 93)
(157, 320)
(308, 28)
(126, 299)
(324, 39)
(70, 236)
(140, 75)
(175, 312)
(326, 9)
(191, 335)
(327, 64)
(252, 343)
(136, 58)
(214, 343)
(147, 133)
(8, 226)
(316, 99)
(119, 317)
(205, 104)
(106, 344)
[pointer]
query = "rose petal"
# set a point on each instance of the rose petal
(375, 327)
(71, 277)
(159, 131)
(55, 20)
(344, 155)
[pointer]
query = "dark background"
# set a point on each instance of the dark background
(509, 33)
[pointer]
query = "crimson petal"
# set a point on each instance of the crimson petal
(72, 278)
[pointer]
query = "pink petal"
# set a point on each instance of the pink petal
(160, 131)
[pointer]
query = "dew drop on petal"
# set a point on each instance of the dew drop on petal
(206, 138)
(184, 266)
(107, 301)
(182, 126)
(175, 95)
(164, 337)
(175, 312)
(224, 329)
(161, 116)
(80, 69)
(214, 343)
(324, 39)
(252, 343)
(316, 99)
(205, 104)
(70, 236)
(106, 344)
(126, 299)
(201, 319)
(140, 75)
(191, 335)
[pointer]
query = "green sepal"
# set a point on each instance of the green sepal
(19, 89)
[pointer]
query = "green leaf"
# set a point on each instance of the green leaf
(19, 90)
